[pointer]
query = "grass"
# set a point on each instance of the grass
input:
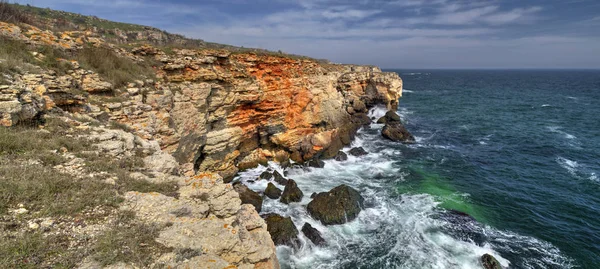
(45, 192)
(115, 69)
(16, 57)
(122, 168)
(129, 242)
(51, 193)
(30, 250)
(11, 13)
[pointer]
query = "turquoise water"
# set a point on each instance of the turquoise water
(518, 151)
(525, 146)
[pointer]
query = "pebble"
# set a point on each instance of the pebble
(33, 225)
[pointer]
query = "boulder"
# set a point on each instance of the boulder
(266, 175)
(282, 230)
(338, 206)
(279, 178)
(341, 156)
(248, 196)
(272, 192)
(291, 193)
(489, 262)
(389, 116)
(358, 151)
(316, 163)
(395, 131)
(313, 234)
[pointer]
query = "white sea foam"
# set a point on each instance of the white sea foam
(567, 164)
(393, 231)
(572, 138)
(545, 105)
(405, 90)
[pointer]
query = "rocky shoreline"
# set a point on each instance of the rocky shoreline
(205, 115)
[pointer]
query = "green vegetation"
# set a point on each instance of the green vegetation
(27, 158)
(16, 56)
(11, 13)
(63, 20)
(29, 250)
(129, 242)
(115, 69)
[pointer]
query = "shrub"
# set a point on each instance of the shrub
(10, 13)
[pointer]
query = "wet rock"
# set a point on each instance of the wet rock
(389, 116)
(316, 163)
(341, 156)
(395, 131)
(463, 227)
(489, 262)
(358, 151)
(266, 175)
(272, 192)
(313, 195)
(282, 230)
(313, 234)
(248, 196)
(279, 178)
(340, 205)
(291, 193)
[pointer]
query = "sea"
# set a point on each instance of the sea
(507, 162)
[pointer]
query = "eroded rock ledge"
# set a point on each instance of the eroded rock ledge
(222, 112)
(208, 114)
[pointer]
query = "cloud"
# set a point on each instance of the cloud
(515, 15)
(464, 17)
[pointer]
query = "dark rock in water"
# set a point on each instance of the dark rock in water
(489, 262)
(279, 178)
(266, 175)
(341, 156)
(389, 117)
(272, 192)
(248, 196)
(395, 131)
(359, 151)
(282, 230)
(313, 234)
(315, 163)
(313, 195)
(462, 227)
(291, 193)
(338, 206)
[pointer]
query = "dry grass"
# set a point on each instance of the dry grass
(10, 13)
(129, 242)
(31, 249)
(115, 69)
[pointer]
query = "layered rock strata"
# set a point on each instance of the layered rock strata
(207, 114)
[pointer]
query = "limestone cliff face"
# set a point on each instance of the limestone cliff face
(217, 111)
(208, 112)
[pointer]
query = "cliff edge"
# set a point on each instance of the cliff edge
(191, 117)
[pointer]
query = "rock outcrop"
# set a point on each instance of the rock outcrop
(489, 262)
(394, 129)
(337, 206)
(207, 217)
(313, 234)
(282, 230)
(248, 196)
(207, 114)
(272, 192)
(291, 193)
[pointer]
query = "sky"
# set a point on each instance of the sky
(390, 34)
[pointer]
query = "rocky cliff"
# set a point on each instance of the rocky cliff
(208, 113)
